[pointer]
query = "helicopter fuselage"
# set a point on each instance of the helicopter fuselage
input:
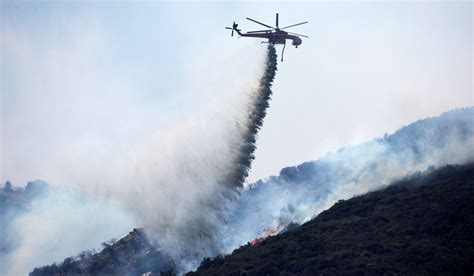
(276, 37)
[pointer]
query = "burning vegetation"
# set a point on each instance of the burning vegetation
(270, 233)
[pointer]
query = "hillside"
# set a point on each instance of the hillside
(131, 255)
(300, 192)
(421, 225)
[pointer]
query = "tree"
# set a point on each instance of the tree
(8, 187)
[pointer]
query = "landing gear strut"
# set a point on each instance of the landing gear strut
(282, 51)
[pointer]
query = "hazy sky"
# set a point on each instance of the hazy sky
(85, 80)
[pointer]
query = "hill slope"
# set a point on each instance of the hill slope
(299, 193)
(131, 255)
(421, 225)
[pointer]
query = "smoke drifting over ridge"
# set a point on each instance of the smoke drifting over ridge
(299, 193)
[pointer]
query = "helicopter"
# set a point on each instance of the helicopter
(275, 35)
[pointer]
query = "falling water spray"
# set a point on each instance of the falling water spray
(201, 235)
(257, 110)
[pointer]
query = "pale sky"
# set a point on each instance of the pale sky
(86, 79)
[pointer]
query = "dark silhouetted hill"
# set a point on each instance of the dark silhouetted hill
(131, 255)
(418, 226)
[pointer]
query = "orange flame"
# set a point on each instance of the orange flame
(270, 233)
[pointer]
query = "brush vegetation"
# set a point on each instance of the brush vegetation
(420, 225)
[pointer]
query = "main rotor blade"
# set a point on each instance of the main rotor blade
(277, 20)
(294, 25)
(229, 28)
(298, 34)
(260, 23)
(261, 31)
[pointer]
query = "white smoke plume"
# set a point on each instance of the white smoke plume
(300, 193)
(57, 224)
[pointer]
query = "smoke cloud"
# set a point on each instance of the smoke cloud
(299, 193)
(47, 227)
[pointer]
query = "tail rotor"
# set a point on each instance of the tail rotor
(234, 27)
